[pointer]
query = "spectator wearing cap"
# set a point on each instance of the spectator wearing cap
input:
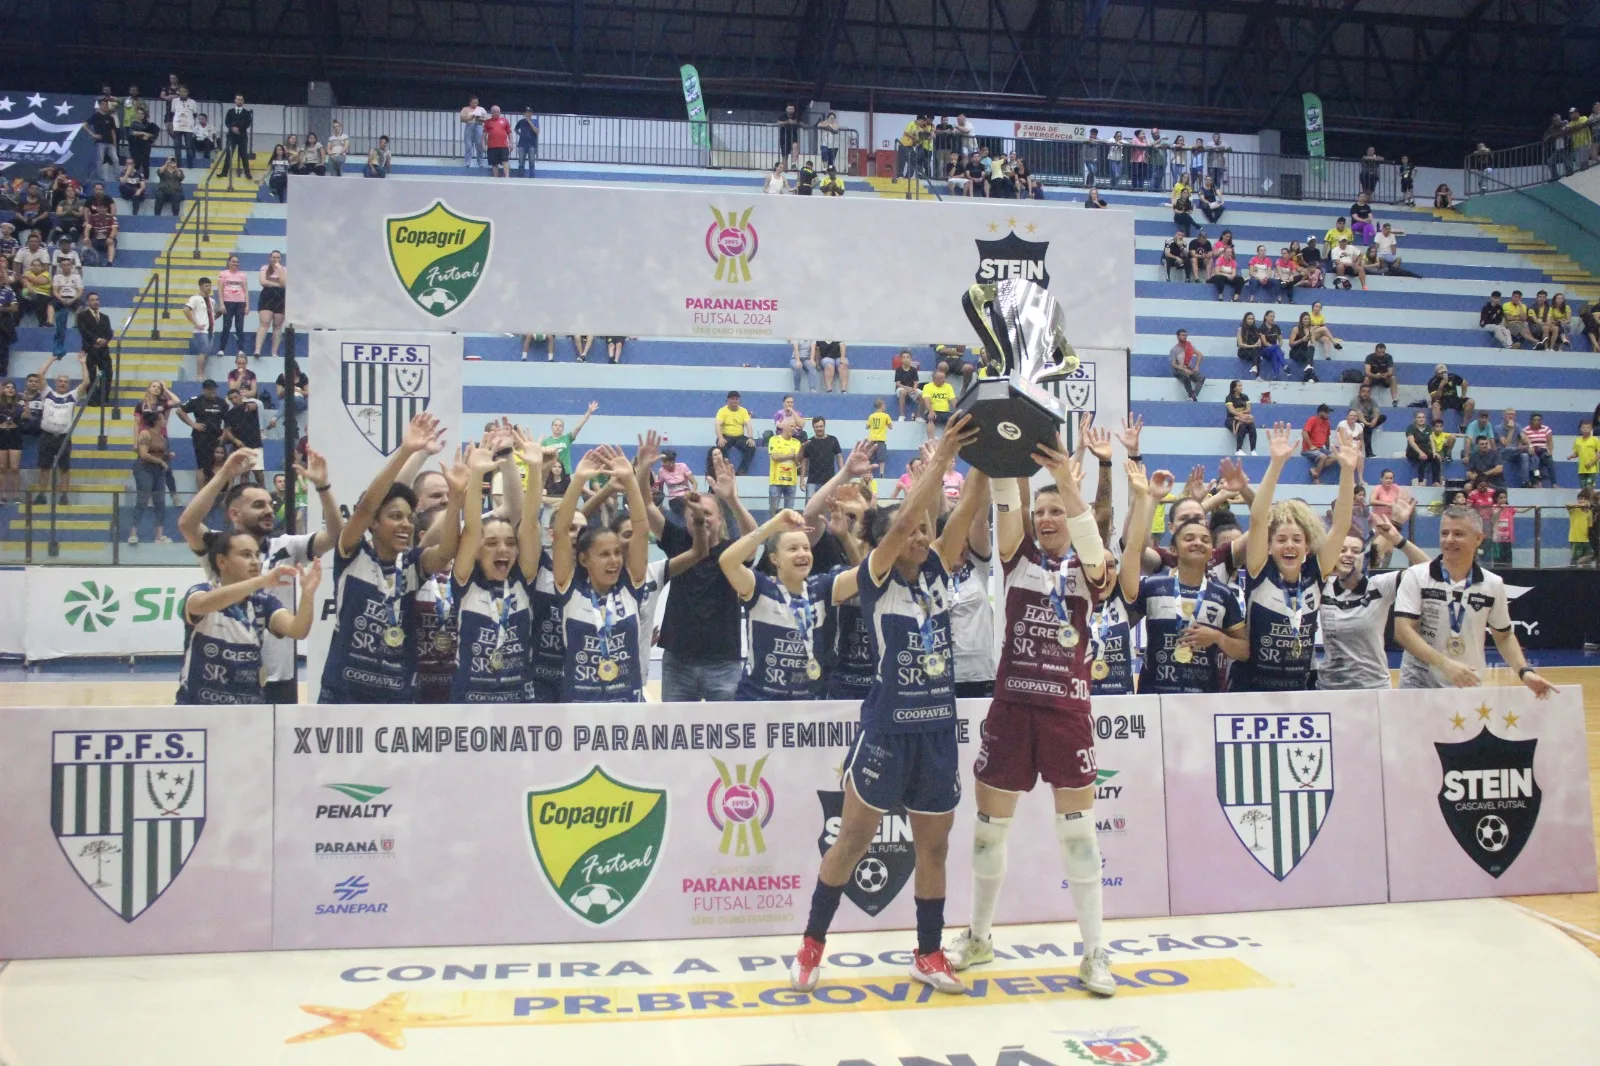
(1448, 392)
(1314, 442)
(1491, 319)
(1347, 259)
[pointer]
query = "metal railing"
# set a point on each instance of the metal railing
(197, 223)
(1525, 165)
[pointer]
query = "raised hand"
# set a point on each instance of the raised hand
(787, 521)
(279, 577)
(959, 432)
(479, 460)
(1404, 506)
(1384, 530)
(315, 469)
(692, 508)
(1233, 477)
(1097, 440)
(594, 405)
(1347, 451)
(1195, 486)
(1161, 483)
(859, 462)
(594, 462)
(420, 433)
(649, 448)
(1129, 433)
(310, 577)
(724, 484)
(240, 461)
(1280, 441)
(1138, 483)
(1055, 458)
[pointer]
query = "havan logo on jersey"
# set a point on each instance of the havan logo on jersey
(886, 867)
(1012, 257)
(597, 842)
(127, 808)
(1489, 797)
(1275, 783)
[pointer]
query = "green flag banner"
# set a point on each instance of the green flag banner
(1315, 145)
(699, 128)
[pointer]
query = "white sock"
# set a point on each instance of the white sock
(988, 870)
(1080, 858)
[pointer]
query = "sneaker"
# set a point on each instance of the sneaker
(133, 538)
(807, 966)
(524, 357)
(39, 500)
(162, 538)
(549, 357)
(968, 950)
(1095, 973)
(934, 969)
(62, 499)
(1238, 451)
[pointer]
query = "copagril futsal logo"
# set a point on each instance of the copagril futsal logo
(91, 606)
(439, 256)
(597, 842)
(740, 805)
(731, 242)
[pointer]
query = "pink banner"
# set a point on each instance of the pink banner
(1487, 792)
(1273, 800)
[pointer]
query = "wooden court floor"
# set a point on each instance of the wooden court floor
(1577, 914)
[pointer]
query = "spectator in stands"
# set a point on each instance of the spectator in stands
(235, 286)
(1516, 321)
(36, 292)
(1371, 417)
(1425, 464)
(1444, 443)
(1175, 256)
(241, 377)
(241, 428)
(1115, 152)
(11, 416)
(527, 131)
(202, 310)
(977, 174)
(63, 251)
(1225, 273)
(205, 138)
(1580, 518)
(1556, 320)
(8, 319)
(181, 111)
(1217, 161)
(1541, 458)
(1378, 369)
(102, 126)
(1539, 318)
(60, 401)
(337, 150)
(1262, 279)
(789, 134)
(1238, 419)
(297, 398)
(1091, 199)
(906, 386)
(131, 186)
(1200, 252)
(1182, 209)
(733, 432)
(833, 357)
(1361, 221)
(273, 278)
(32, 214)
(821, 457)
(472, 118)
(236, 124)
(1512, 449)
(614, 349)
(1211, 203)
(95, 334)
(1387, 248)
(938, 399)
(581, 343)
(1586, 449)
(101, 229)
(1321, 334)
(1288, 272)
(1314, 447)
(1491, 317)
(878, 423)
(828, 138)
(777, 183)
(33, 252)
(832, 184)
(169, 186)
(32, 405)
(203, 414)
(378, 159)
(1505, 531)
(1185, 360)
(497, 139)
(1248, 340)
(66, 288)
(805, 181)
(1348, 260)
(1590, 324)
(1449, 392)
(152, 464)
(955, 175)
(1356, 431)
(803, 365)
(783, 461)
(66, 220)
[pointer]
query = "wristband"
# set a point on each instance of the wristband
(323, 488)
(1525, 671)
(503, 453)
(1105, 464)
(1007, 497)
(1136, 458)
(1401, 543)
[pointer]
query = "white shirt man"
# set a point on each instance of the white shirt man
(182, 114)
(1443, 609)
(202, 310)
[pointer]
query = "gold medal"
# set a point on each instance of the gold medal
(1186, 608)
(1456, 645)
(607, 669)
(1183, 653)
(394, 636)
(443, 641)
(496, 661)
(813, 669)
(1100, 670)
(1067, 636)
(934, 664)
(1297, 649)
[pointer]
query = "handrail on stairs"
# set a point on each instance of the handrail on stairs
(197, 222)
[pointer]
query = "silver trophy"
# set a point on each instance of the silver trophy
(1023, 332)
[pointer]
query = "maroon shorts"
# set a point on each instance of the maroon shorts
(1022, 743)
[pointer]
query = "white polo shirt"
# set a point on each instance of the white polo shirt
(1428, 595)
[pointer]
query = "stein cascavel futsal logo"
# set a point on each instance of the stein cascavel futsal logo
(439, 256)
(127, 808)
(731, 242)
(597, 842)
(1489, 797)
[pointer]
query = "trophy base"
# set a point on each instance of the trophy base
(1012, 425)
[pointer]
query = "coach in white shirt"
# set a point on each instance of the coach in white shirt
(1442, 609)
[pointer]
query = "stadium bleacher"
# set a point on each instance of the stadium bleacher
(667, 384)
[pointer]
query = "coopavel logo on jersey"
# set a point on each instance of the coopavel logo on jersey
(1275, 783)
(1489, 797)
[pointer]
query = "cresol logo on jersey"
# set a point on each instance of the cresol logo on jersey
(739, 805)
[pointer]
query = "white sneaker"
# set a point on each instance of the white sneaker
(806, 969)
(1238, 451)
(1095, 973)
(133, 538)
(934, 969)
(968, 950)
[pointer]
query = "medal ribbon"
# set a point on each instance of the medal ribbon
(800, 606)
(608, 619)
(1058, 590)
(1456, 606)
(443, 599)
(389, 585)
(923, 600)
(502, 610)
(1297, 608)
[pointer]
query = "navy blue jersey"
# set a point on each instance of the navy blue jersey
(913, 687)
(854, 665)
(372, 656)
(605, 662)
(222, 651)
(783, 634)
(1168, 607)
(1111, 643)
(1283, 623)
(494, 636)
(549, 661)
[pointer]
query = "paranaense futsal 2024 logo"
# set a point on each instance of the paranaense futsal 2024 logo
(439, 256)
(597, 841)
(127, 808)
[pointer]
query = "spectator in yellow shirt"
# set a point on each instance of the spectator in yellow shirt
(1580, 514)
(1340, 231)
(1516, 321)
(938, 396)
(783, 455)
(1586, 449)
(733, 432)
(878, 423)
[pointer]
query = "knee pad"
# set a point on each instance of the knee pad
(989, 846)
(1080, 848)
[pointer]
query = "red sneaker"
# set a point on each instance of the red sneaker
(934, 969)
(806, 969)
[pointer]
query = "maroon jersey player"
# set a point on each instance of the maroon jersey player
(1039, 724)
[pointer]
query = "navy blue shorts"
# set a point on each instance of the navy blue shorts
(919, 771)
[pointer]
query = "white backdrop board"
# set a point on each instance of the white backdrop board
(567, 258)
(103, 610)
(383, 380)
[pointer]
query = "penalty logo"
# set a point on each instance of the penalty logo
(439, 256)
(127, 808)
(1489, 797)
(1275, 783)
(597, 841)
